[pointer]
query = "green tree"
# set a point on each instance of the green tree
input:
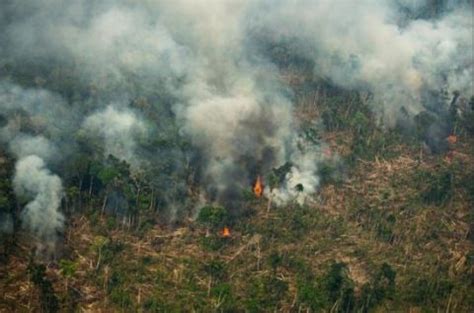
(213, 217)
(48, 298)
(339, 287)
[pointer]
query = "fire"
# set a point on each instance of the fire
(226, 232)
(258, 187)
(452, 139)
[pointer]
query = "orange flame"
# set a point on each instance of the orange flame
(258, 187)
(452, 139)
(226, 232)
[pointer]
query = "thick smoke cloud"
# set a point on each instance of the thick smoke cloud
(130, 77)
(31, 115)
(118, 130)
(374, 46)
(44, 192)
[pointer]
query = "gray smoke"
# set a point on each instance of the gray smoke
(43, 191)
(172, 85)
(117, 131)
(303, 175)
(6, 224)
(373, 45)
(32, 114)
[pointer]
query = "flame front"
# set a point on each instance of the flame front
(226, 232)
(258, 187)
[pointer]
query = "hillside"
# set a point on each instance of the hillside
(389, 231)
(237, 156)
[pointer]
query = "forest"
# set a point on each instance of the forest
(237, 156)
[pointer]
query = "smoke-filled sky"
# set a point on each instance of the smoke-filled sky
(121, 76)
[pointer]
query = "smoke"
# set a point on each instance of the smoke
(374, 46)
(6, 223)
(43, 190)
(300, 182)
(117, 131)
(173, 87)
(31, 115)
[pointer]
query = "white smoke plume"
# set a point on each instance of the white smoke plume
(300, 182)
(24, 145)
(29, 112)
(43, 191)
(371, 45)
(118, 130)
(140, 78)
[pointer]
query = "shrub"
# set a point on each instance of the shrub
(326, 172)
(275, 260)
(48, 298)
(121, 298)
(311, 295)
(223, 294)
(212, 242)
(440, 188)
(385, 228)
(265, 293)
(216, 269)
(339, 287)
(213, 217)
(155, 305)
(68, 268)
(383, 286)
(428, 291)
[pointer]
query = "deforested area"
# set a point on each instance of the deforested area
(236, 156)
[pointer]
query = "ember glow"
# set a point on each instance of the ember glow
(145, 86)
(452, 139)
(258, 187)
(226, 232)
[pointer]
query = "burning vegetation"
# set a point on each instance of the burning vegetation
(225, 232)
(137, 148)
(258, 187)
